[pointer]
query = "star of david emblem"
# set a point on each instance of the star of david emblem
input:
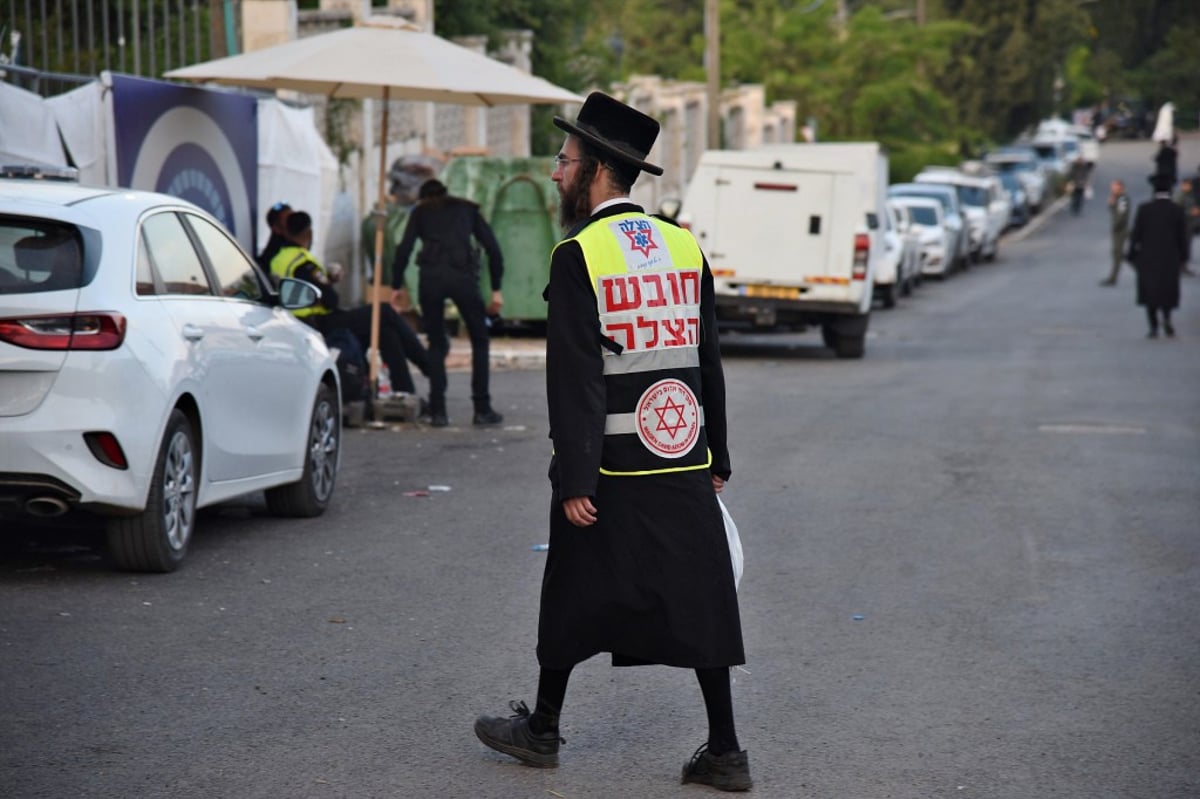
(641, 240)
(670, 406)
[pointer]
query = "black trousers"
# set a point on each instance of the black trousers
(461, 288)
(398, 343)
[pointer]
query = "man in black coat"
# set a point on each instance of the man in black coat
(639, 564)
(1159, 248)
(449, 270)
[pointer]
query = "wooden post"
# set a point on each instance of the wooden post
(712, 63)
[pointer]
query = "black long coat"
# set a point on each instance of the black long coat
(1159, 246)
(651, 580)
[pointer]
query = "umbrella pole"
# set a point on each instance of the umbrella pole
(380, 222)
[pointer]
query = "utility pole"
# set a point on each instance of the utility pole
(712, 62)
(920, 12)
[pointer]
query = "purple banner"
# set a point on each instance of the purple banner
(199, 145)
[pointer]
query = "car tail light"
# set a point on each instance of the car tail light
(862, 252)
(107, 449)
(80, 331)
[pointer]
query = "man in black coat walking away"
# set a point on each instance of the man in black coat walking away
(1159, 248)
(449, 270)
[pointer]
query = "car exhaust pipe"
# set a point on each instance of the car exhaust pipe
(46, 507)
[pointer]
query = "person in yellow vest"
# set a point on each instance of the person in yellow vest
(639, 564)
(398, 343)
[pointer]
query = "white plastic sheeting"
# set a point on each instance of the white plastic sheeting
(295, 166)
(28, 133)
(81, 116)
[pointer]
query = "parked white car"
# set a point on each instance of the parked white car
(148, 369)
(927, 221)
(983, 200)
(1022, 160)
(900, 265)
(953, 218)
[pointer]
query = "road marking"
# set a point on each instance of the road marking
(1101, 429)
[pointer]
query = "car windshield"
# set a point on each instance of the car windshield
(933, 195)
(1010, 181)
(922, 215)
(972, 195)
(1046, 152)
(38, 256)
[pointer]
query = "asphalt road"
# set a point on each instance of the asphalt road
(972, 570)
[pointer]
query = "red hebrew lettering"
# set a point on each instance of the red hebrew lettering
(693, 323)
(655, 281)
(643, 323)
(674, 328)
(692, 278)
(621, 293)
(673, 279)
(624, 327)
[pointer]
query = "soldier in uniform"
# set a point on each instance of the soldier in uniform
(639, 564)
(1118, 212)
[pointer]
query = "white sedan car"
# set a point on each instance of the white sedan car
(925, 220)
(147, 369)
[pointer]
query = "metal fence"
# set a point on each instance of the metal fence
(76, 38)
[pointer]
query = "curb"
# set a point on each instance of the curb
(502, 355)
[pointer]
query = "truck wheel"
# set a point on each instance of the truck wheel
(888, 294)
(849, 346)
(156, 539)
(829, 335)
(309, 495)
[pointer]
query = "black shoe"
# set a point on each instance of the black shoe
(1169, 329)
(727, 772)
(438, 420)
(512, 736)
(487, 417)
(423, 408)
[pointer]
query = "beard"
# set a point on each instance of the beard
(573, 203)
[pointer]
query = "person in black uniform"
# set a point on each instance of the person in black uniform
(639, 564)
(277, 216)
(449, 269)
(1159, 248)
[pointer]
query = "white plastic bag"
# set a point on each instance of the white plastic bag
(735, 543)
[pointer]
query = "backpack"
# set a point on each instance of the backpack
(351, 364)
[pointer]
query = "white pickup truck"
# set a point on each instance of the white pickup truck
(793, 234)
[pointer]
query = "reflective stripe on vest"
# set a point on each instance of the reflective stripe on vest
(646, 277)
(285, 263)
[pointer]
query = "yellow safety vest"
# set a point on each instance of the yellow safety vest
(285, 263)
(646, 276)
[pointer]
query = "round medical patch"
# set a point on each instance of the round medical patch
(668, 419)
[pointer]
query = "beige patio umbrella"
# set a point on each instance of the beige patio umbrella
(382, 59)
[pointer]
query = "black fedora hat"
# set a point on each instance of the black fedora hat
(619, 130)
(1161, 181)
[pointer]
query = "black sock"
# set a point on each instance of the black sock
(552, 689)
(718, 703)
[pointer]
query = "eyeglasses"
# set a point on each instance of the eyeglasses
(561, 161)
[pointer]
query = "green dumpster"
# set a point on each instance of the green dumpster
(520, 202)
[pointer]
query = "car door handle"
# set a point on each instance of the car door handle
(192, 332)
(254, 333)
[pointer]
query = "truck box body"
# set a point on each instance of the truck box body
(792, 233)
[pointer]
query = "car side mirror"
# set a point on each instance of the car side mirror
(296, 294)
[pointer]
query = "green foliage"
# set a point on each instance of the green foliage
(1171, 74)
